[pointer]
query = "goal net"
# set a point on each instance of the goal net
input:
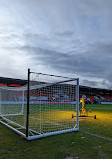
(12, 110)
(53, 105)
(47, 105)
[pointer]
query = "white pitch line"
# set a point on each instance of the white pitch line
(96, 135)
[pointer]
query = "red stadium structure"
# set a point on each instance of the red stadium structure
(94, 95)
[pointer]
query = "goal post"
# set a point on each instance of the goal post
(47, 105)
(53, 105)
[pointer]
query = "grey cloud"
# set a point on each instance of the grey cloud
(94, 60)
(88, 64)
(90, 83)
(66, 33)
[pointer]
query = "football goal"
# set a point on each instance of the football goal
(47, 105)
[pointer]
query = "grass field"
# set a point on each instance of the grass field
(93, 141)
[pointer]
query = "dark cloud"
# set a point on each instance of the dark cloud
(93, 60)
(90, 83)
(92, 64)
(66, 34)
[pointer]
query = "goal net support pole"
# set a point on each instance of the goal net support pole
(77, 103)
(28, 96)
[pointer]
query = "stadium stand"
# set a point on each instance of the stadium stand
(94, 95)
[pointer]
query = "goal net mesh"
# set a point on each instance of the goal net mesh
(12, 107)
(52, 103)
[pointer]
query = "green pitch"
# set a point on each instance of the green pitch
(52, 117)
(93, 141)
(43, 118)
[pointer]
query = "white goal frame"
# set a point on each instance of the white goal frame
(30, 133)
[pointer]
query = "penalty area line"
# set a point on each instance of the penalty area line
(96, 135)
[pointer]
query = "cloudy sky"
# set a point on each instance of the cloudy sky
(64, 37)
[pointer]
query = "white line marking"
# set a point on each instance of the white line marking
(96, 135)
